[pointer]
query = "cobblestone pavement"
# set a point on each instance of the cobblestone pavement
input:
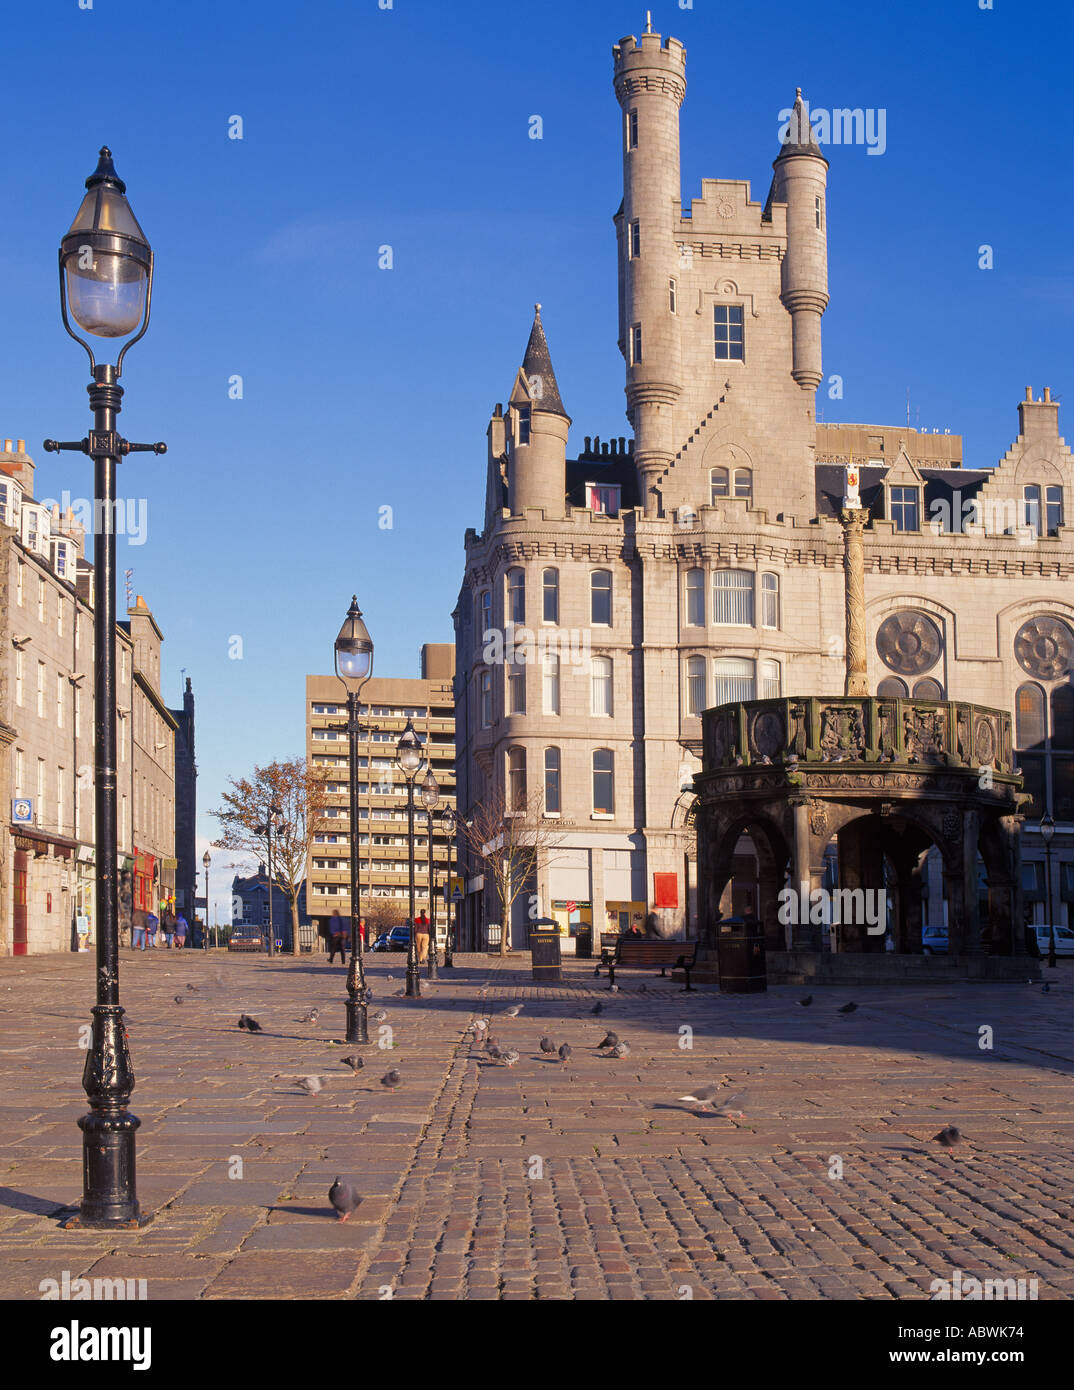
(544, 1180)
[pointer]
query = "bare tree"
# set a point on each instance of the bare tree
(510, 844)
(299, 792)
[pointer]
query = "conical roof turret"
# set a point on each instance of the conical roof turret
(538, 371)
(799, 137)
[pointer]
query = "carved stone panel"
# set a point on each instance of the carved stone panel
(909, 642)
(767, 733)
(1045, 648)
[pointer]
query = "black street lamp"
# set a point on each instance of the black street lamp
(430, 795)
(410, 759)
(451, 824)
(206, 861)
(106, 280)
(354, 660)
(1047, 833)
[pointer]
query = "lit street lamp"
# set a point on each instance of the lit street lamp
(451, 824)
(411, 760)
(430, 795)
(354, 661)
(206, 861)
(106, 280)
(1047, 833)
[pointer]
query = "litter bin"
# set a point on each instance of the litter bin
(305, 936)
(583, 943)
(741, 957)
(493, 932)
(544, 955)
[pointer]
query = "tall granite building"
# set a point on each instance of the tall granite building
(615, 592)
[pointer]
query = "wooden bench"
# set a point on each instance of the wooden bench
(644, 953)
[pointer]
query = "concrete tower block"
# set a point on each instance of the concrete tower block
(801, 181)
(650, 84)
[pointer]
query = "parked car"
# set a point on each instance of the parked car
(399, 939)
(934, 941)
(1064, 940)
(245, 936)
(381, 943)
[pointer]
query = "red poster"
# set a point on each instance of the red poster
(665, 890)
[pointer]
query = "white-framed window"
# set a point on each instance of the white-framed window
(516, 596)
(695, 684)
(718, 484)
(603, 498)
(61, 559)
(769, 682)
(635, 344)
(770, 600)
(485, 698)
(551, 781)
(818, 207)
(516, 779)
(603, 782)
(635, 239)
(744, 483)
(550, 596)
(732, 678)
(516, 688)
(601, 684)
(1053, 507)
(672, 293)
(600, 598)
(732, 597)
(695, 598)
(550, 683)
(10, 503)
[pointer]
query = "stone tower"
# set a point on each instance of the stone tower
(536, 432)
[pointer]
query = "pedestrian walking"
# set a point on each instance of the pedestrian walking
(152, 922)
(181, 929)
(322, 932)
(336, 940)
(137, 930)
(167, 926)
(421, 927)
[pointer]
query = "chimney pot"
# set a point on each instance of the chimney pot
(7, 446)
(1029, 393)
(1047, 393)
(22, 446)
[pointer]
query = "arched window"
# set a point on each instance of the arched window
(891, 688)
(600, 597)
(516, 596)
(601, 681)
(744, 483)
(718, 484)
(485, 616)
(516, 688)
(551, 780)
(770, 600)
(550, 591)
(516, 779)
(695, 598)
(1063, 717)
(928, 689)
(550, 665)
(732, 597)
(603, 782)
(732, 678)
(1029, 716)
(695, 684)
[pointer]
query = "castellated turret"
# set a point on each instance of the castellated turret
(537, 432)
(801, 180)
(650, 84)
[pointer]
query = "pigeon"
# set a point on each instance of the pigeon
(481, 1025)
(948, 1137)
(493, 1051)
(391, 978)
(614, 989)
(514, 1010)
(703, 1096)
(344, 1197)
(610, 1040)
(355, 1063)
(847, 1009)
(391, 1079)
(311, 1084)
(193, 987)
(509, 1058)
(491, 1043)
(620, 1050)
(547, 1045)
(565, 1053)
(805, 1003)
(248, 1024)
(379, 1016)
(732, 1107)
(598, 1008)
(310, 1017)
(180, 998)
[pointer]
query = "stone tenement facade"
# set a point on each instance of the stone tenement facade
(701, 562)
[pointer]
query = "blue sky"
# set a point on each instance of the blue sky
(365, 388)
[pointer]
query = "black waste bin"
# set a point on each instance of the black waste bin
(583, 943)
(741, 957)
(544, 955)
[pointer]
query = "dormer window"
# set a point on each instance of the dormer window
(523, 425)
(905, 511)
(61, 559)
(603, 498)
(10, 500)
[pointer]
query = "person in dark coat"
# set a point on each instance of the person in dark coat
(336, 939)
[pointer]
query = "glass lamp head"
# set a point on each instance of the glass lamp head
(205, 859)
(430, 791)
(354, 646)
(105, 257)
(408, 751)
(1047, 829)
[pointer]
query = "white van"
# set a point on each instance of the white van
(1064, 940)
